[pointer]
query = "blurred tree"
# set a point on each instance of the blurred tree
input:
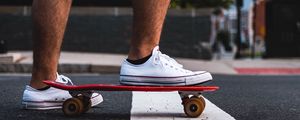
(201, 3)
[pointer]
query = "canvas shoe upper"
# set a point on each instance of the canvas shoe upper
(161, 70)
(51, 98)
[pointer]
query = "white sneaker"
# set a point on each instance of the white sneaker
(160, 70)
(51, 98)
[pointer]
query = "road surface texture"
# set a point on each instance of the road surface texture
(243, 97)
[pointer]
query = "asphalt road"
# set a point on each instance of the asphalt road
(243, 97)
(116, 106)
(258, 97)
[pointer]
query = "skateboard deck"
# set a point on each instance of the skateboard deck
(80, 102)
(114, 87)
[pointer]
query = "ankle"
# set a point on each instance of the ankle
(44, 88)
(136, 53)
(139, 61)
(38, 86)
(37, 79)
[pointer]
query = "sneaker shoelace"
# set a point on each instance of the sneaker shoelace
(65, 80)
(169, 59)
(171, 62)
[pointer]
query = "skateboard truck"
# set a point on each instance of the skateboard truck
(184, 94)
(85, 93)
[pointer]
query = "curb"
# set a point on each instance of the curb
(269, 71)
(64, 68)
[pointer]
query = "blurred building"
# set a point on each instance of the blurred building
(259, 19)
(246, 27)
(282, 27)
(272, 26)
(97, 25)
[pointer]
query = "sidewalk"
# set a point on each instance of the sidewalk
(75, 62)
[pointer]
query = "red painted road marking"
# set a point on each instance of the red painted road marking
(282, 71)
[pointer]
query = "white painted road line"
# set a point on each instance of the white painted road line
(167, 106)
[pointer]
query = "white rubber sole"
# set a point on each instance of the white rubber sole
(49, 105)
(166, 81)
(31, 105)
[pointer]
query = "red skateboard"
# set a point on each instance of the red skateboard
(192, 99)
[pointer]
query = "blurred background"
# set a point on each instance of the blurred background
(252, 48)
(199, 29)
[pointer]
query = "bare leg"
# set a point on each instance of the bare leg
(49, 23)
(148, 19)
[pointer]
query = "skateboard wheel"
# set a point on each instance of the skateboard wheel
(87, 105)
(201, 100)
(86, 101)
(73, 107)
(193, 107)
